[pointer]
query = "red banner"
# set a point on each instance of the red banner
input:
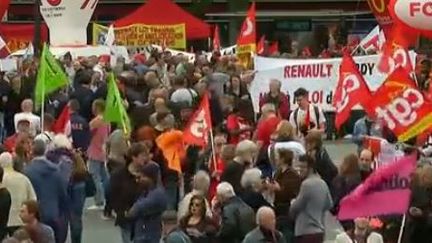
(198, 129)
(401, 106)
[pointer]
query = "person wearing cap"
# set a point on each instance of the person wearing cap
(20, 189)
(27, 114)
(148, 209)
(23, 128)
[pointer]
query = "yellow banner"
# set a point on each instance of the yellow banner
(243, 49)
(172, 36)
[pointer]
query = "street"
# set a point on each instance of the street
(98, 230)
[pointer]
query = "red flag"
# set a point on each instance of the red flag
(197, 130)
(273, 48)
(62, 122)
(306, 52)
(351, 90)
(261, 46)
(246, 42)
(216, 39)
(381, 12)
(401, 106)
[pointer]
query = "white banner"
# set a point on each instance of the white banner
(67, 20)
(318, 76)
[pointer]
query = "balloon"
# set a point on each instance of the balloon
(4, 5)
(415, 15)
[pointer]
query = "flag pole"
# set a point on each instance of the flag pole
(213, 150)
(43, 92)
(402, 229)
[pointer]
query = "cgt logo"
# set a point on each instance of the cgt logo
(401, 110)
(349, 84)
(415, 14)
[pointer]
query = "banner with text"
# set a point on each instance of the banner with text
(318, 76)
(67, 20)
(172, 36)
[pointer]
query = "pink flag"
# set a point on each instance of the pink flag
(386, 191)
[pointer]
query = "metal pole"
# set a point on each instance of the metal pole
(37, 28)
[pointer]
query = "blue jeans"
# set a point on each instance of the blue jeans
(77, 197)
(100, 177)
(126, 233)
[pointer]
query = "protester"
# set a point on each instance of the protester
(419, 217)
(266, 228)
(253, 188)
(97, 154)
(80, 128)
(47, 135)
(20, 189)
(23, 152)
(266, 125)
(245, 152)
(27, 114)
(51, 191)
(147, 210)
(278, 98)
(365, 127)
(323, 163)
(124, 188)
(73, 169)
(286, 186)
(346, 181)
(22, 130)
(200, 187)
(5, 206)
(30, 215)
(196, 223)
(366, 161)
(310, 206)
(307, 116)
(237, 218)
(361, 233)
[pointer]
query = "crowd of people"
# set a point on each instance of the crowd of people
(265, 179)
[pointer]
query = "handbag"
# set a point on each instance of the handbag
(90, 187)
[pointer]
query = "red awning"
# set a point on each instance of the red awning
(165, 12)
(24, 32)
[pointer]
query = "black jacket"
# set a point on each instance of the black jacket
(325, 166)
(254, 199)
(125, 191)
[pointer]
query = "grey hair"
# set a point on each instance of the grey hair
(201, 181)
(261, 211)
(246, 146)
(6, 160)
(39, 147)
(225, 190)
(267, 108)
(251, 178)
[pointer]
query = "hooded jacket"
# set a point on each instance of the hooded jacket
(50, 188)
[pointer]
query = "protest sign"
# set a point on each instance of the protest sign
(318, 76)
(173, 36)
(389, 185)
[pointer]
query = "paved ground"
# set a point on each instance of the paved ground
(98, 230)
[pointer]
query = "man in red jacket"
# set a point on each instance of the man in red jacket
(278, 98)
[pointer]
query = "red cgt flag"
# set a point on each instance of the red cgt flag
(401, 106)
(261, 46)
(216, 39)
(351, 90)
(198, 128)
(246, 42)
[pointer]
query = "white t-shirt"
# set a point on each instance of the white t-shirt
(35, 121)
(296, 147)
(183, 95)
(301, 117)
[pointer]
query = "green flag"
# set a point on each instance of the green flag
(114, 109)
(50, 76)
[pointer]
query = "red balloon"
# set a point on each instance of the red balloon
(4, 5)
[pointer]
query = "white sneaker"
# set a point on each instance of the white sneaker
(95, 207)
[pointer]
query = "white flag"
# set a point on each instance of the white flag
(2, 43)
(373, 41)
(110, 37)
